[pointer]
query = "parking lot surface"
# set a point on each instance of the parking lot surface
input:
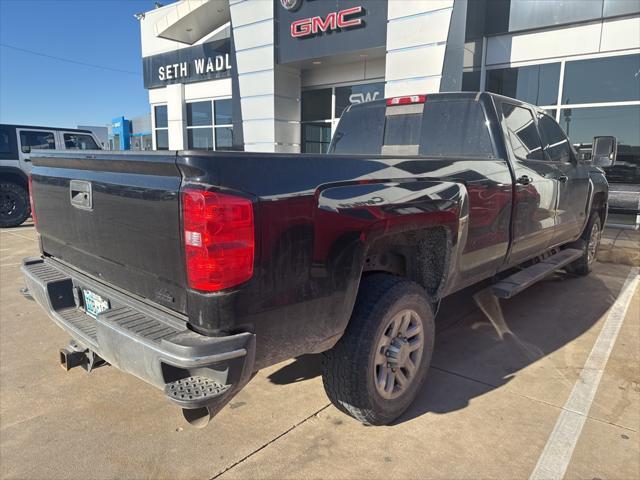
(492, 407)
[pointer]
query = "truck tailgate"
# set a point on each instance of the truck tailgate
(115, 216)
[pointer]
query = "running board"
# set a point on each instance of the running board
(517, 282)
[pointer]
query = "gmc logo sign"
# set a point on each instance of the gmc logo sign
(335, 20)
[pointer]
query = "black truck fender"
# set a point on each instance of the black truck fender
(415, 229)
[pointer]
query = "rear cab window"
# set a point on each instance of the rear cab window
(439, 127)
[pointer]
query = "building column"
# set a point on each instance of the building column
(270, 117)
(176, 115)
(417, 32)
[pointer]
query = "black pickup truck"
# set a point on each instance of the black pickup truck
(192, 270)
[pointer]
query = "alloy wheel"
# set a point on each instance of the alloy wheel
(398, 354)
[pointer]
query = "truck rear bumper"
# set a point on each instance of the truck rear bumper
(193, 370)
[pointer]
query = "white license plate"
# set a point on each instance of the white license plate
(94, 303)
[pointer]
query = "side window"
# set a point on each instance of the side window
(34, 139)
(554, 140)
(5, 140)
(523, 134)
(76, 141)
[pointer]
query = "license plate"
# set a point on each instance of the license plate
(94, 303)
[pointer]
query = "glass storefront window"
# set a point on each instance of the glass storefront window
(537, 84)
(222, 110)
(316, 137)
(199, 114)
(470, 81)
(200, 138)
(355, 94)
(161, 116)
(611, 79)
(162, 139)
(316, 105)
(224, 138)
(203, 133)
(318, 117)
(623, 122)
(161, 129)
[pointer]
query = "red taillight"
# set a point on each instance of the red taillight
(219, 239)
(31, 202)
(409, 99)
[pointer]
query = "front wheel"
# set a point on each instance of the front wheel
(589, 243)
(14, 205)
(377, 368)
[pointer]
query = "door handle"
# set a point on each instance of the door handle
(80, 194)
(524, 180)
(563, 178)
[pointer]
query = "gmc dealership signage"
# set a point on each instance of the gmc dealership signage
(311, 29)
(333, 21)
(207, 61)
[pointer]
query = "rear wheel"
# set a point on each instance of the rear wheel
(589, 243)
(14, 205)
(377, 368)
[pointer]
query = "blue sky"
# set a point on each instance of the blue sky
(45, 91)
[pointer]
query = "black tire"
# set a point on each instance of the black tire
(349, 368)
(584, 264)
(14, 205)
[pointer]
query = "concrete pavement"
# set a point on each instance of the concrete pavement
(487, 410)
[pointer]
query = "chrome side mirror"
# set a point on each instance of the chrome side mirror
(604, 152)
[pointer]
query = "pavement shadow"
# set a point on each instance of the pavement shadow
(304, 367)
(540, 320)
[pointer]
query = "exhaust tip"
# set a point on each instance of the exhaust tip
(197, 417)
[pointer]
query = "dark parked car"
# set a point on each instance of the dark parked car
(192, 270)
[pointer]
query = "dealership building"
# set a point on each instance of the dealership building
(274, 76)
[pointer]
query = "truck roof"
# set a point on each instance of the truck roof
(453, 96)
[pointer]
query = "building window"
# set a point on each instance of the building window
(316, 120)
(353, 94)
(536, 84)
(209, 125)
(322, 108)
(611, 79)
(623, 122)
(161, 127)
(471, 81)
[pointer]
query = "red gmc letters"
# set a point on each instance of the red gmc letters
(335, 20)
